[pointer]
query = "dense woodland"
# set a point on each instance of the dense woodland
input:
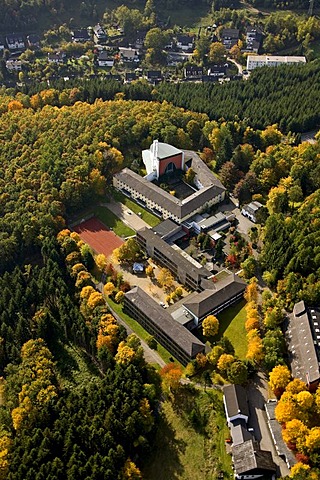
(269, 96)
(54, 161)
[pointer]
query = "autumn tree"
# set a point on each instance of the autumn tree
(210, 326)
(119, 298)
(295, 433)
(217, 53)
(165, 278)
(190, 176)
(171, 375)
(251, 293)
(225, 361)
(279, 378)
(129, 251)
(131, 471)
(101, 261)
(108, 289)
(150, 271)
(237, 372)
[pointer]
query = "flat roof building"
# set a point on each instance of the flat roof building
(256, 61)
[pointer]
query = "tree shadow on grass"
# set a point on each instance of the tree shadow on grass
(164, 463)
(227, 317)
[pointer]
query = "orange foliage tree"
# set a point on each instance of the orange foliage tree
(171, 375)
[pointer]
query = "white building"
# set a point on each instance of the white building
(255, 61)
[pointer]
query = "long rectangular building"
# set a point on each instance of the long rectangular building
(181, 343)
(185, 271)
(209, 191)
(256, 61)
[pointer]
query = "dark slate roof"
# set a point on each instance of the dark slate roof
(276, 432)
(230, 33)
(130, 76)
(212, 187)
(302, 347)
(165, 228)
(151, 74)
(240, 434)
(247, 457)
(82, 34)
(201, 304)
(185, 39)
(235, 400)
(153, 238)
(157, 315)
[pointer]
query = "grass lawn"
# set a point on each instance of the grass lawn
(139, 330)
(189, 443)
(148, 217)
(232, 323)
(112, 221)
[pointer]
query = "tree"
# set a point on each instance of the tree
(279, 378)
(119, 298)
(295, 433)
(101, 261)
(251, 293)
(190, 176)
(150, 271)
(165, 278)
(129, 251)
(238, 372)
(125, 354)
(210, 326)
(277, 200)
(225, 362)
(313, 438)
(108, 289)
(156, 39)
(171, 375)
(249, 267)
(217, 53)
(131, 471)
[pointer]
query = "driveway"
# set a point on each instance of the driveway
(258, 395)
(126, 215)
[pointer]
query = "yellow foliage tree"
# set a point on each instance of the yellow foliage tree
(279, 378)
(165, 278)
(125, 354)
(251, 293)
(287, 408)
(86, 292)
(304, 400)
(210, 326)
(296, 385)
(252, 323)
(5, 444)
(225, 361)
(108, 289)
(14, 105)
(150, 271)
(131, 471)
(201, 360)
(295, 432)
(255, 347)
(78, 267)
(95, 300)
(83, 279)
(119, 296)
(313, 439)
(101, 261)
(300, 471)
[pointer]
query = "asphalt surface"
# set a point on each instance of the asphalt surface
(258, 395)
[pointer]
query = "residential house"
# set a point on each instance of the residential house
(193, 72)
(2, 44)
(250, 211)
(57, 57)
(235, 402)
(140, 38)
(154, 76)
(129, 54)
(130, 77)
(181, 343)
(105, 59)
(14, 65)
(185, 42)
(209, 78)
(250, 462)
(80, 36)
(15, 41)
(99, 34)
(218, 71)
(303, 340)
(229, 37)
(33, 41)
(256, 61)
(253, 40)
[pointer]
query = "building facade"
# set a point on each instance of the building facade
(256, 61)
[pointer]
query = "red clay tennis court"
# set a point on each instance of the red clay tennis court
(98, 236)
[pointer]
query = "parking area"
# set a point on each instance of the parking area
(244, 224)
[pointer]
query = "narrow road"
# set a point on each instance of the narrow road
(258, 395)
(126, 215)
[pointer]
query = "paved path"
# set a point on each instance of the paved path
(126, 215)
(258, 395)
